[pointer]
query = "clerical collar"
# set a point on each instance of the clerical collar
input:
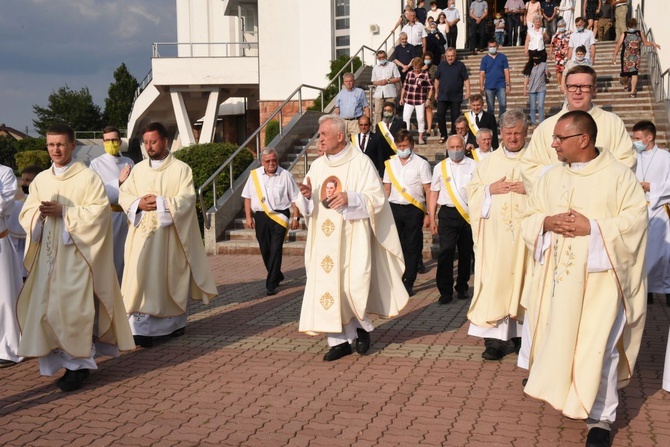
(339, 154)
(60, 171)
(581, 165)
(157, 163)
(510, 154)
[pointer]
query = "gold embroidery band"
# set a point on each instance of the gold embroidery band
(400, 189)
(461, 206)
(387, 135)
(116, 208)
(277, 217)
(473, 127)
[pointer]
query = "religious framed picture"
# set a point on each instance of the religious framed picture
(330, 187)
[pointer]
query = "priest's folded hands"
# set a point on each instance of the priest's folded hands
(570, 224)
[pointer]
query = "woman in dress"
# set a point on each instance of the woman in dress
(631, 40)
(590, 13)
(443, 26)
(567, 10)
(559, 50)
(416, 90)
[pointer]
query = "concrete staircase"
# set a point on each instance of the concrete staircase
(611, 96)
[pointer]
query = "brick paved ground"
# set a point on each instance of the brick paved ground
(243, 375)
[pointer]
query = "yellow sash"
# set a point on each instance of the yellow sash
(400, 189)
(387, 135)
(277, 217)
(473, 127)
(455, 198)
(475, 155)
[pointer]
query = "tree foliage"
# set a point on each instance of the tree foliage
(120, 97)
(32, 157)
(74, 108)
(335, 66)
(10, 148)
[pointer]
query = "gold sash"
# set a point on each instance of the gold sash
(277, 217)
(455, 198)
(473, 126)
(475, 155)
(387, 135)
(400, 189)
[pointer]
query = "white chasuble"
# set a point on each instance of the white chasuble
(164, 265)
(71, 296)
(354, 266)
(571, 311)
(500, 253)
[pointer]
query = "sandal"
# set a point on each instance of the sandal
(633, 95)
(442, 140)
(626, 88)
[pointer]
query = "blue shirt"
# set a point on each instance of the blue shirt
(494, 71)
(351, 103)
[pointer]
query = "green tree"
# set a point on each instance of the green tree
(331, 92)
(120, 97)
(75, 108)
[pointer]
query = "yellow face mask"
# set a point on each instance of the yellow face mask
(112, 147)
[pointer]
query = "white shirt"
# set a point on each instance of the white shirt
(415, 33)
(462, 173)
(452, 14)
(388, 71)
(411, 176)
(585, 38)
(280, 190)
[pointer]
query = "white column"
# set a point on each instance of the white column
(181, 116)
(209, 120)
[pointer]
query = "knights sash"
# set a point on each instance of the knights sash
(384, 129)
(403, 192)
(475, 155)
(277, 217)
(457, 200)
(354, 141)
(471, 124)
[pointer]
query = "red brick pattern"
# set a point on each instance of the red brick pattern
(243, 376)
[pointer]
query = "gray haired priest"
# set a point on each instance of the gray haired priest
(353, 256)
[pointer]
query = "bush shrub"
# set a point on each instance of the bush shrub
(206, 158)
(271, 131)
(30, 157)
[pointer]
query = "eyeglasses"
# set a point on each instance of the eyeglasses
(572, 88)
(561, 139)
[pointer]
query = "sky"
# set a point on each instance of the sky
(47, 44)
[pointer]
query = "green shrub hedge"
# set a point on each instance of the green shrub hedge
(271, 131)
(27, 158)
(204, 159)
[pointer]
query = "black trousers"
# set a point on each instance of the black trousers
(455, 109)
(452, 36)
(478, 33)
(409, 222)
(270, 236)
(513, 30)
(454, 232)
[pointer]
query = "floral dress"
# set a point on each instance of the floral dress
(559, 44)
(630, 53)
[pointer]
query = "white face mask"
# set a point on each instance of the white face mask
(639, 146)
(404, 153)
(382, 61)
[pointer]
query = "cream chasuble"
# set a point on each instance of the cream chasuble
(164, 265)
(500, 253)
(354, 267)
(571, 311)
(612, 135)
(71, 296)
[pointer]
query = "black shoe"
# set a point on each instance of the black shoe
(363, 341)
(524, 381)
(410, 289)
(517, 344)
(73, 380)
(337, 352)
(178, 332)
(650, 298)
(667, 299)
(598, 437)
(463, 295)
(491, 353)
(271, 292)
(445, 299)
(6, 363)
(422, 267)
(143, 341)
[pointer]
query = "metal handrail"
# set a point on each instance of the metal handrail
(349, 66)
(660, 81)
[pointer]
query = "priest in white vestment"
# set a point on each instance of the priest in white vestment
(353, 257)
(586, 226)
(10, 273)
(113, 169)
(70, 307)
(165, 260)
(581, 89)
(497, 202)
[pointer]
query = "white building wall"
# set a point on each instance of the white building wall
(384, 13)
(200, 21)
(655, 16)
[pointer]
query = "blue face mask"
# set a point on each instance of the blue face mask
(632, 30)
(404, 153)
(427, 61)
(580, 29)
(382, 61)
(639, 146)
(493, 50)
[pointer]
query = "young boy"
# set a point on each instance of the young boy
(499, 25)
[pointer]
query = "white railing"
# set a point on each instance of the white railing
(203, 49)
